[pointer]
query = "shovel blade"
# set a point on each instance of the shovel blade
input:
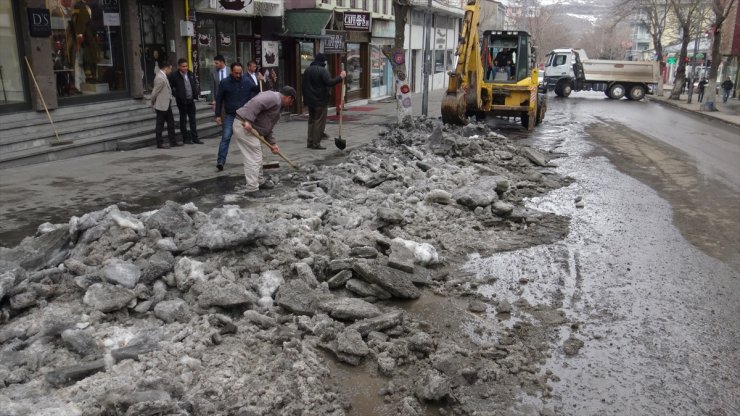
(340, 143)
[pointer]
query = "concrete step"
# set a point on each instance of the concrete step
(74, 112)
(121, 138)
(33, 136)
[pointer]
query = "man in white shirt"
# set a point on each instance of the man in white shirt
(219, 72)
(254, 77)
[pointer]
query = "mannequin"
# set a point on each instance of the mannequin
(86, 50)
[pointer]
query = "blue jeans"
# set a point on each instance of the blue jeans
(725, 95)
(228, 130)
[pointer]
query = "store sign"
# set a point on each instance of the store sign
(39, 22)
(335, 42)
(241, 7)
(357, 21)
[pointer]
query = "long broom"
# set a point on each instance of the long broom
(58, 142)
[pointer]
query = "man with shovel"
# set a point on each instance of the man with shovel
(255, 121)
(316, 83)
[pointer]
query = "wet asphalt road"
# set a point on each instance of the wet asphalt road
(649, 272)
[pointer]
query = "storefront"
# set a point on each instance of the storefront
(357, 26)
(231, 29)
(12, 67)
(381, 73)
(87, 39)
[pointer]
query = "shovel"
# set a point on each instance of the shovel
(339, 141)
(266, 143)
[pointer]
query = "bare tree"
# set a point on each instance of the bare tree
(686, 12)
(653, 15)
(541, 23)
(720, 9)
(605, 41)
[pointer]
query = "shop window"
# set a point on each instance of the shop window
(244, 27)
(10, 63)
(206, 39)
(87, 47)
(439, 61)
(377, 66)
(354, 67)
(306, 51)
(225, 39)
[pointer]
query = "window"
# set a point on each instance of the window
(439, 61)
(376, 6)
(352, 4)
(10, 63)
(97, 66)
(365, 4)
(354, 67)
(385, 6)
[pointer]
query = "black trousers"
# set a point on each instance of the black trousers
(163, 116)
(187, 113)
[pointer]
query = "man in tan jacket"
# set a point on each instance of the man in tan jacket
(161, 101)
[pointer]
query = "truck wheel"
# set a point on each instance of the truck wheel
(566, 89)
(616, 91)
(637, 93)
(563, 89)
(525, 120)
(606, 92)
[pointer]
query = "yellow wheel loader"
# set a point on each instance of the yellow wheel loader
(494, 75)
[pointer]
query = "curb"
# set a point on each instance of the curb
(703, 114)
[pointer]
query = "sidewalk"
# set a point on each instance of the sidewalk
(142, 179)
(727, 112)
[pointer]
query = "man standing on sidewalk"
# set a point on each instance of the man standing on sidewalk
(726, 89)
(233, 92)
(186, 91)
(702, 86)
(316, 84)
(259, 115)
(161, 101)
(219, 72)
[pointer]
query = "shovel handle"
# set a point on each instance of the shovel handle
(266, 143)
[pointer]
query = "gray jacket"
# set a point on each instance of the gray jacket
(263, 112)
(162, 92)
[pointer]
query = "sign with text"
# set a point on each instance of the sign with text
(39, 22)
(357, 21)
(335, 41)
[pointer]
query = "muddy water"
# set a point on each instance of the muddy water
(658, 317)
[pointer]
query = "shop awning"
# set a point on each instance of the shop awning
(306, 23)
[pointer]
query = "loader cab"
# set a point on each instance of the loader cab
(508, 56)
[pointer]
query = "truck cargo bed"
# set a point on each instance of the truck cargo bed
(622, 71)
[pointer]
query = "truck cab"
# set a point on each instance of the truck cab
(564, 71)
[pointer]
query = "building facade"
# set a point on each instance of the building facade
(82, 51)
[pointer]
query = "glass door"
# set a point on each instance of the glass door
(154, 43)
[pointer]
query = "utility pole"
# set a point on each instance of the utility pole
(427, 59)
(693, 69)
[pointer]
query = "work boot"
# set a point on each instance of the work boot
(163, 146)
(197, 141)
(175, 144)
(267, 185)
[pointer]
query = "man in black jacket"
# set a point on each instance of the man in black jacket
(316, 83)
(185, 89)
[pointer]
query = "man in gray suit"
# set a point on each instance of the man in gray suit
(161, 101)
(219, 72)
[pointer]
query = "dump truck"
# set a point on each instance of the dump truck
(478, 86)
(568, 70)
